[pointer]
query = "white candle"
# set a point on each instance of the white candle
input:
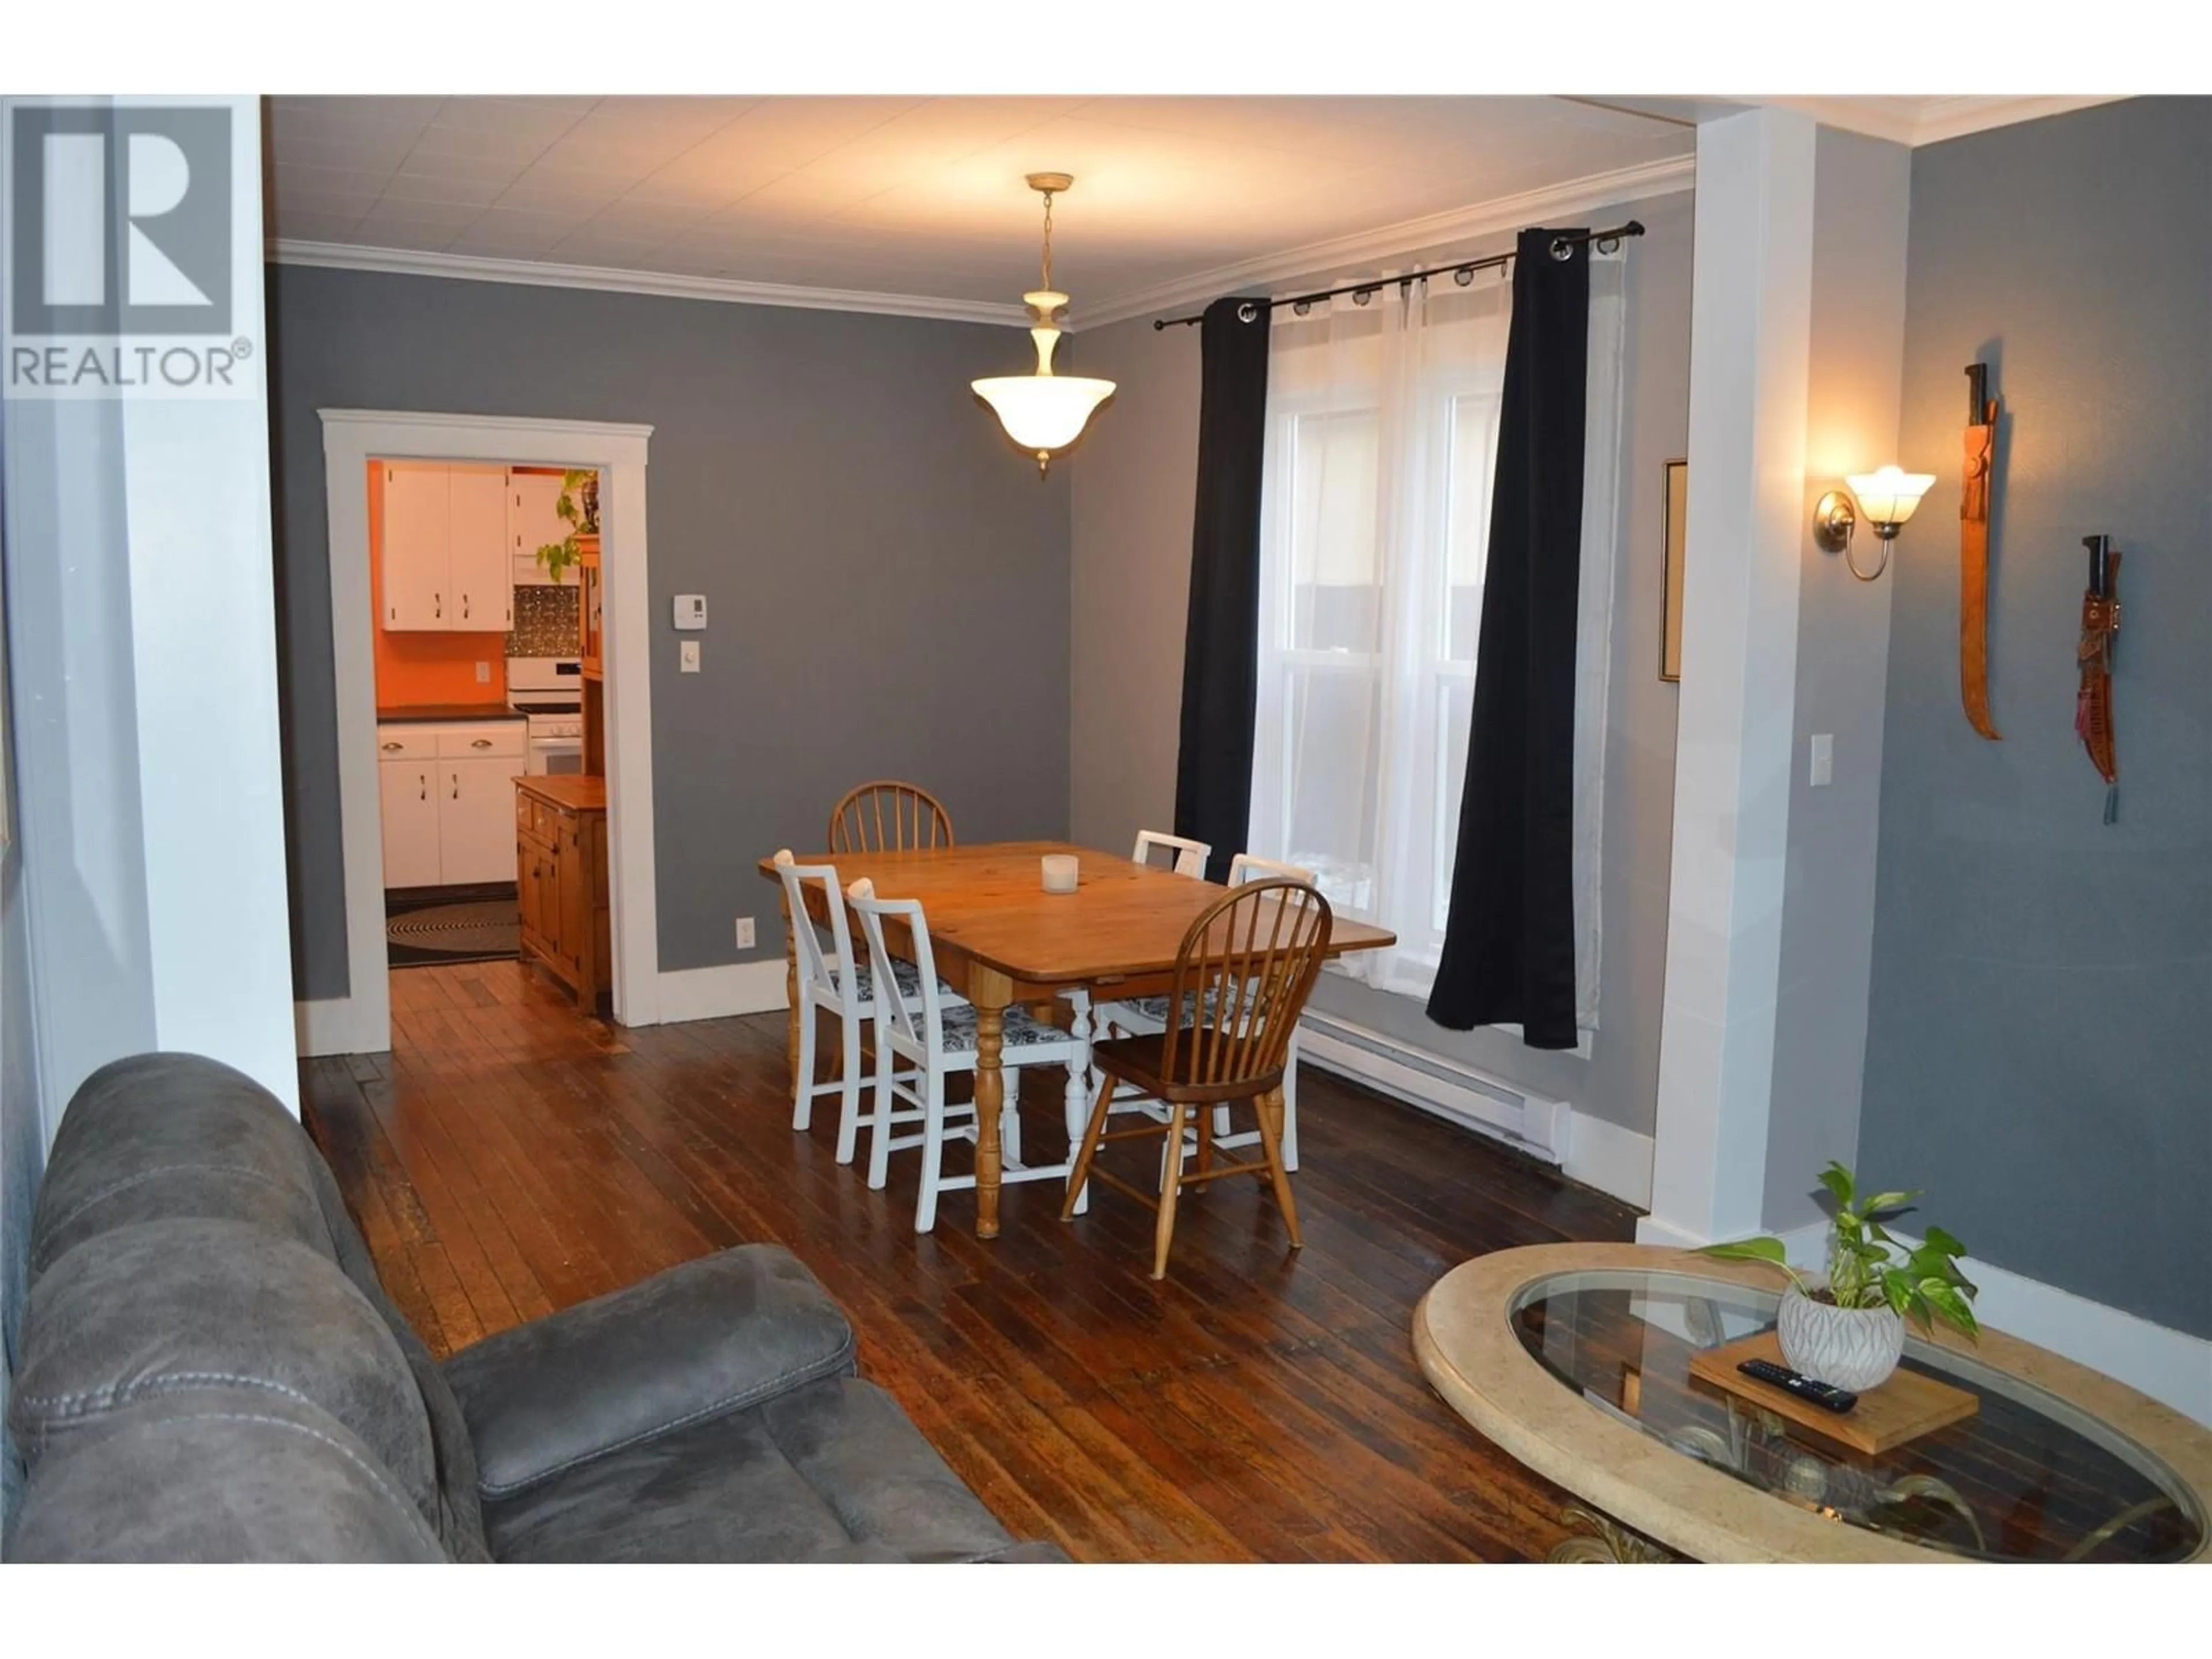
(1060, 873)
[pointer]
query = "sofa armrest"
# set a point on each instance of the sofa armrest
(702, 1340)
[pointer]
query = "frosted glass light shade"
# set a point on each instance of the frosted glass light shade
(1044, 412)
(1889, 496)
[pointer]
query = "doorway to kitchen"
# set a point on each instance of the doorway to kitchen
(477, 573)
(495, 764)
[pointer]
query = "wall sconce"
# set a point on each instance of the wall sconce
(1887, 498)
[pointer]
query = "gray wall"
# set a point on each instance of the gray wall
(2040, 1050)
(887, 579)
(1133, 488)
(1863, 188)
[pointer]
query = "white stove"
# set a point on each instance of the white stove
(549, 692)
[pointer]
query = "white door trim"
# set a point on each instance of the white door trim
(361, 1021)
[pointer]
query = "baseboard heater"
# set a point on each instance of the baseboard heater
(1444, 1087)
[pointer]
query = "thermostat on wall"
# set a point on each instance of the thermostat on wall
(690, 611)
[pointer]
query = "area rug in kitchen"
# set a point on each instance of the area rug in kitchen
(473, 929)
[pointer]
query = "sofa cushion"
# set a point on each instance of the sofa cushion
(833, 1470)
(460, 1519)
(174, 1135)
(217, 1474)
(703, 1339)
(164, 1307)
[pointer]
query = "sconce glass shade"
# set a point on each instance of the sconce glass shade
(1890, 497)
(1044, 412)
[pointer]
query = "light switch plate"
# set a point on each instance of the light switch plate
(1824, 759)
(745, 932)
(687, 657)
(690, 611)
(484, 673)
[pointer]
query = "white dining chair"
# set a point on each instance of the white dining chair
(1190, 856)
(1148, 1016)
(937, 1034)
(826, 983)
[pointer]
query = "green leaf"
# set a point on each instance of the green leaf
(1883, 1203)
(1748, 1249)
(1900, 1291)
(1936, 1239)
(1944, 1298)
(1838, 1180)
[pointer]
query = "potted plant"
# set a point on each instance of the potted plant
(579, 508)
(1849, 1329)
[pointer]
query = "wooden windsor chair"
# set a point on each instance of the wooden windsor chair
(1241, 979)
(887, 816)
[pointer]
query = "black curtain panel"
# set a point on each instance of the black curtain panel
(1221, 640)
(1509, 949)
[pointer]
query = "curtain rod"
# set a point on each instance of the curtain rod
(1463, 273)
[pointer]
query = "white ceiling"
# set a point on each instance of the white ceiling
(917, 205)
(919, 199)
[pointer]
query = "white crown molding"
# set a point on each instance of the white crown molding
(1937, 118)
(1480, 219)
(1953, 118)
(475, 268)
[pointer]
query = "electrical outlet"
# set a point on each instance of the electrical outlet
(687, 657)
(1823, 759)
(745, 932)
(484, 673)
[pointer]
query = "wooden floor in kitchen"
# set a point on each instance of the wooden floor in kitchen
(510, 1156)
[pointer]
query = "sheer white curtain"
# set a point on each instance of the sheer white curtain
(1381, 439)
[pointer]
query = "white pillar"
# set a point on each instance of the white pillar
(1751, 313)
(150, 776)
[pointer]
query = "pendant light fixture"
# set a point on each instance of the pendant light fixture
(1044, 411)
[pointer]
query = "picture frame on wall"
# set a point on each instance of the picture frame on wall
(1673, 522)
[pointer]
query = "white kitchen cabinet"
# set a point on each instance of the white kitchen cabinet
(448, 800)
(476, 820)
(411, 857)
(444, 566)
(416, 558)
(533, 521)
(483, 575)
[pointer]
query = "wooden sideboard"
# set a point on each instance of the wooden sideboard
(560, 880)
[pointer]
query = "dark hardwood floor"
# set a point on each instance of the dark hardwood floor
(510, 1156)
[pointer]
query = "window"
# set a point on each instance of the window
(1382, 443)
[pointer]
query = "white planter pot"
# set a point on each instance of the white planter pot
(1854, 1348)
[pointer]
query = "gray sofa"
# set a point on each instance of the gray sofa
(209, 1371)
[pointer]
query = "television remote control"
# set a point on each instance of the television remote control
(1825, 1395)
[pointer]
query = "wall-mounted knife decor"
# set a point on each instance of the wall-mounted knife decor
(2093, 709)
(1981, 444)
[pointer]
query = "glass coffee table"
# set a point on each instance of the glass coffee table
(1576, 1360)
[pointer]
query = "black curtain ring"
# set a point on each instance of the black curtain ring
(1303, 307)
(1464, 276)
(1562, 249)
(1610, 244)
(1248, 312)
(1361, 296)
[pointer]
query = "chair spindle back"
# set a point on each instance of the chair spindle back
(1242, 975)
(887, 816)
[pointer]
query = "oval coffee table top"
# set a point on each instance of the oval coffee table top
(1575, 1359)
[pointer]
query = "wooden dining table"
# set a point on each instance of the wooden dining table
(1001, 940)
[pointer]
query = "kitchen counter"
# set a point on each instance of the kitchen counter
(417, 713)
(567, 789)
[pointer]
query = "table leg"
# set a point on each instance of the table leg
(1077, 1109)
(990, 992)
(791, 992)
